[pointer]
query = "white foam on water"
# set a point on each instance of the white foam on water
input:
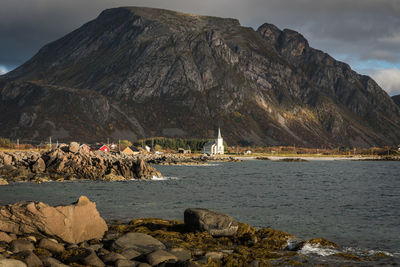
(155, 178)
(316, 249)
(370, 252)
(197, 165)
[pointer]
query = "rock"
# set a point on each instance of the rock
(11, 263)
(160, 256)
(4, 237)
(51, 246)
(103, 252)
(198, 252)
(3, 182)
(143, 265)
(74, 147)
(181, 253)
(75, 255)
(130, 254)
(111, 235)
(51, 262)
(140, 242)
(21, 245)
(214, 222)
(69, 163)
(29, 258)
(254, 263)
(214, 255)
(113, 177)
(190, 264)
(73, 224)
(39, 166)
(202, 260)
(95, 247)
(112, 257)
(92, 260)
(31, 238)
(125, 263)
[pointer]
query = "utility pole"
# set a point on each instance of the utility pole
(17, 143)
(50, 142)
(108, 141)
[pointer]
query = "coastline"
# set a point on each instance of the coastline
(204, 238)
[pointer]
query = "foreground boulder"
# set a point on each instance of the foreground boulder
(72, 224)
(140, 242)
(214, 222)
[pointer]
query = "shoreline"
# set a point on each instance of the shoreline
(311, 158)
(204, 238)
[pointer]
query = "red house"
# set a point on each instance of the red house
(104, 148)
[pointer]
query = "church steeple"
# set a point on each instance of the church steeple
(219, 134)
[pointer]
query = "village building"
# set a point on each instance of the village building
(184, 151)
(101, 147)
(130, 150)
(214, 147)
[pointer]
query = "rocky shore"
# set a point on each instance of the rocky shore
(179, 159)
(71, 163)
(36, 234)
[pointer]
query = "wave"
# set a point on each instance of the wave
(326, 251)
(155, 178)
(316, 249)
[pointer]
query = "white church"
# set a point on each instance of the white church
(214, 147)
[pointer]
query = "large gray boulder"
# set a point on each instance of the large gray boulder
(140, 242)
(160, 256)
(214, 222)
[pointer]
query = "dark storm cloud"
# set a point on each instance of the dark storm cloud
(358, 29)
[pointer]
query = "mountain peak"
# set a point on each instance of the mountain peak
(136, 72)
(186, 21)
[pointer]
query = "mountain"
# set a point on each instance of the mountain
(140, 72)
(396, 99)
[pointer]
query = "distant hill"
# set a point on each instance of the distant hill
(139, 72)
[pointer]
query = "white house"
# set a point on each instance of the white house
(214, 147)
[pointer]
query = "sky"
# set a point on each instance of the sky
(363, 33)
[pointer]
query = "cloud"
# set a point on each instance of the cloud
(3, 70)
(388, 79)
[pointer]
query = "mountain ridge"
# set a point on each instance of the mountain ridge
(154, 72)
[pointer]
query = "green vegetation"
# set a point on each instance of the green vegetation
(125, 143)
(6, 143)
(173, 143)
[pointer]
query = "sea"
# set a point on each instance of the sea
(355, 204)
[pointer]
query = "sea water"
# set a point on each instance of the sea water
(353, 203)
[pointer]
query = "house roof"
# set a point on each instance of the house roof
(134, 149)
(98, 146)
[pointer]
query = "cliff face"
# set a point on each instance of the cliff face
(136, 72)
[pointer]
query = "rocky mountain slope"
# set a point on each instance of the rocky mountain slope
(140, 72)
(396, 99)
